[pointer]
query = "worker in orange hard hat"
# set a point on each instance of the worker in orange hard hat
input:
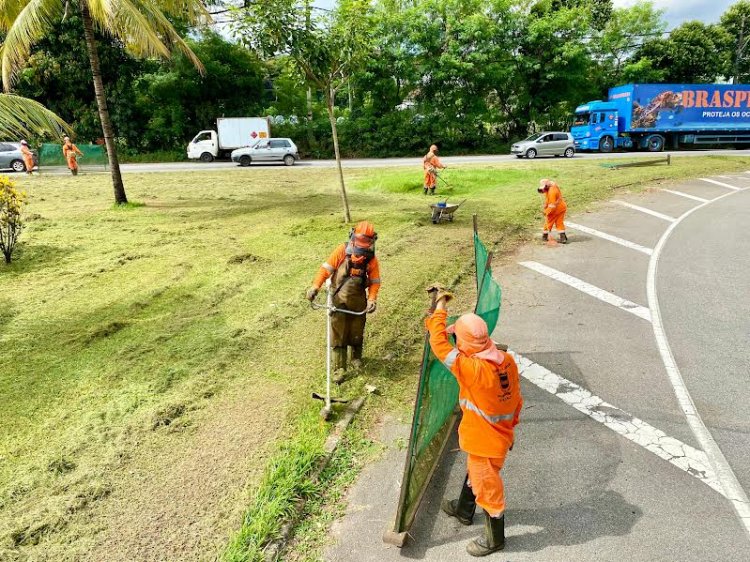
(28, 157)
(431, 164)
(554, 209)
(491, 402)
(71, 153)
(355, 282)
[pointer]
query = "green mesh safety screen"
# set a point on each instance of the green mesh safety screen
(436, 407)
(51, 155)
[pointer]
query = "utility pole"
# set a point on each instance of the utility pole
(741, 46)
(310, 136)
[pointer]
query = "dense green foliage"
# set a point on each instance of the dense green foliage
(471, 75)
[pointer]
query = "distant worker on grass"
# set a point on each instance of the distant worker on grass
(355, 283)
(554, 210)
(431, 164)
(71, 153)
(28, 157)
(491, 401)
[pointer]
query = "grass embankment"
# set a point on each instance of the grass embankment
(154, 357)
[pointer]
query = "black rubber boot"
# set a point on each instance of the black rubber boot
(545, 237)
(432, 191)
(493, 539)
(563, 238)
(464, 507)
(425, 191)
(338, 364)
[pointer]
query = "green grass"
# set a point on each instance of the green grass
(122, 329)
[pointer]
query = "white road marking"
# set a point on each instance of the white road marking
(651, 212)
(591, 290)
(722, 184)
(687, 195)
(732, 488)
(605, 236)
(681, 455)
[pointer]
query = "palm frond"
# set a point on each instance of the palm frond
(9, 10)
(22, 117)
(30, 25)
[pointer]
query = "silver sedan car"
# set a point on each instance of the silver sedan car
(11, 157)
(545, 144)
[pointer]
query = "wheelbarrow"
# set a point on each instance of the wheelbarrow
(443, 211)
(327, 400)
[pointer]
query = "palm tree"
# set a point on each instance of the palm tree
(22, 117)
(140, 25)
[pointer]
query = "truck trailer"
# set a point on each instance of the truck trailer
(657, 116)
(231, 133)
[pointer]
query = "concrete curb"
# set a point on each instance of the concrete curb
(274, 549)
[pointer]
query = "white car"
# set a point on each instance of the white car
(267, 150)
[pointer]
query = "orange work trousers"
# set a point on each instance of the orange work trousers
(487, 484)
(72, 162)
(430, 179)
(556, 220)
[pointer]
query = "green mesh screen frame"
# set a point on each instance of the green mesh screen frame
(436, 407)
(51, 155)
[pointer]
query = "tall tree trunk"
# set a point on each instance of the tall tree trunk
(310, 136)
(101, 102)
(334, 133)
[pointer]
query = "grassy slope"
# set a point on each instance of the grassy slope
(124, 327)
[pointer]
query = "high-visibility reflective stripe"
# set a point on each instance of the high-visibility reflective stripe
(375, 281)
(492, 419)
(328, 267)
(451, 358)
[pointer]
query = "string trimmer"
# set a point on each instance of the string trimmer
(325, 413)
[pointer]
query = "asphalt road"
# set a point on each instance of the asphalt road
(395, 162)
(607, 466)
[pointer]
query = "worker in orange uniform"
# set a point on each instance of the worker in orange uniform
(491, 401)
(355, 283)
(431, 164)
(28, 157)
(71, 153)
(554, 209)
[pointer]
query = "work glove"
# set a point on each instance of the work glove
(371, 306)
(312, 292)
(441, 292)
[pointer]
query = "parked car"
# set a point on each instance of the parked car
(267, 150)
(11, 157)
(545, 144)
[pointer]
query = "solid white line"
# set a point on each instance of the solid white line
(681, 194)
(721, 183)
(591, 290)
(651, 212)
(605, 236)
(732, 488)
(681, 455)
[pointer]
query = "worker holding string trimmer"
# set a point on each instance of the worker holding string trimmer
(491, 401)
(431, 164)
(355, 273)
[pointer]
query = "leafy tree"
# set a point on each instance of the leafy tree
(326, 48)
(736, 21)
(141, 25)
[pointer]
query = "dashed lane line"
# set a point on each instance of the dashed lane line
(679, 454)
(686, 195)
(651, 212)
(733, 490)
(722, 184)
(591, 290)
(615, 239)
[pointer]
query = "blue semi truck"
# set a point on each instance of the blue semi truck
(657, 116)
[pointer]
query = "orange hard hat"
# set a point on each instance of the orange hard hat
(365, 228)
(472, 335)
(433, 148)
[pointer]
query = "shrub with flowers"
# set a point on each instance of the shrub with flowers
(12, 201)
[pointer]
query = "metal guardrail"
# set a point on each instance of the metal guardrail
(639, 163)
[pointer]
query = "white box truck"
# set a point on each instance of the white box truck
(231, 133)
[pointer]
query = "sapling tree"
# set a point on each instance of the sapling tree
(12, 201)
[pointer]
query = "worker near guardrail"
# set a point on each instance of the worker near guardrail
(28, 157)
(491, 401)
(71, 153)
(554, 210)
(431, 164)
(355, 283)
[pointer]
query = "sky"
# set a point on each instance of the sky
(679, 11)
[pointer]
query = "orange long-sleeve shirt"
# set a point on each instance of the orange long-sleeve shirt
(554, 203)
(489, 395)
(335, 260)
